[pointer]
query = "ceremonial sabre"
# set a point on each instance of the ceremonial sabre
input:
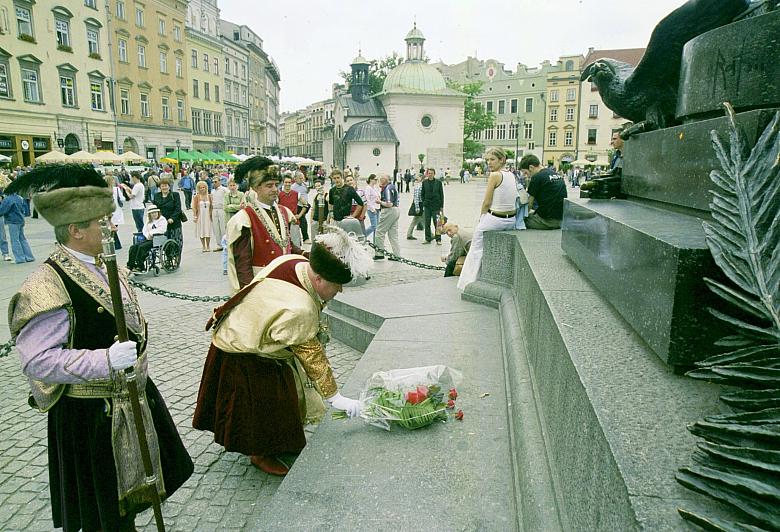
(109, 258)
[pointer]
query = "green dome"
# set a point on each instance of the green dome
(414, 33)
(414, 77)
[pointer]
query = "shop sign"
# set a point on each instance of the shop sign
(7, 143)
(25, 145)
(40, 144)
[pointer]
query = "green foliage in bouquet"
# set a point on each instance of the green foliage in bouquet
(410, 410)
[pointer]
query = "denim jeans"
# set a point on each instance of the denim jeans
(373, 217)
(3, 240)
(138, 218)
(19, 244)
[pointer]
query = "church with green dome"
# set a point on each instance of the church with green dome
(414, 113)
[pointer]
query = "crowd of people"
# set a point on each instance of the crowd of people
(266, 373)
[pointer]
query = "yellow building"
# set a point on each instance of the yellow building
(562, 111)
(151, 72)
(597, 122)
(54, 70)
(204, 50)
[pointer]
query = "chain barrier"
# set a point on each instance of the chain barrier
(6, 348)
(402, 260)
(175, 295)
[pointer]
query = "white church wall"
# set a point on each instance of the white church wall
(362, 154)
(441, 142)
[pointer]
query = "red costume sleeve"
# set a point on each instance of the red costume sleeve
(242, 257)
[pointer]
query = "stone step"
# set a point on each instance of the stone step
(673, 165)
(448, 476)
(356, 333)
(610, 415)
(649, 264)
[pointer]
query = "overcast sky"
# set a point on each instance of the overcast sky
(313, 40)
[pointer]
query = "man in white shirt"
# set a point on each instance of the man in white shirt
(136, 200)
(218, 210)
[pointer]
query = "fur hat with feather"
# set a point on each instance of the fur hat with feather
(338, 257)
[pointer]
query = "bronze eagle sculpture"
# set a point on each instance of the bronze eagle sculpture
(647, 94)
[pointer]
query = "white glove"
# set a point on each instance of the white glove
(350, 406)
(122, 355)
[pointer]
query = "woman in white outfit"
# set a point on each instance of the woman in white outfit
(118, 216)
(497, 214)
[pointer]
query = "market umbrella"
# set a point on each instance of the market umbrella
(195, 155)
(229, 157)
(179, 155)
(131, 157)
(52, 157)
(83, 157)
(582, 162)
(4, 159)
(108, 157)
(213, 157)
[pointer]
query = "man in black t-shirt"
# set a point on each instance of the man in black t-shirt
(548, 189)
(340, 197)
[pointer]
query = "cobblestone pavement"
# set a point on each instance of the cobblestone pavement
(225, 491)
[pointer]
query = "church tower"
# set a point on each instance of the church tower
(414, 45)
(360, 88)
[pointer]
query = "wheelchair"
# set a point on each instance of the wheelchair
(165, 252)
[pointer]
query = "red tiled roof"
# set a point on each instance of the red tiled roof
(632, 56)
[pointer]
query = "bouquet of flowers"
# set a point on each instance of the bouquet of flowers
(411, 398)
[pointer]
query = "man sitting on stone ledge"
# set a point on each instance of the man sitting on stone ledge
(547, 189)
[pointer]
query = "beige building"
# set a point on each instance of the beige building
(206, 61)
(54, 70)
(258, 105)
(151, 72)
(562, 111)
(596, 121)
(288, 125)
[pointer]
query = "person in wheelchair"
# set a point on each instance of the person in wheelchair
(155, 225)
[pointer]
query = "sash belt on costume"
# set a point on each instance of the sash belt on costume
(97, 389)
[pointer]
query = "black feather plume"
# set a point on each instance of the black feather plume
(52, 176)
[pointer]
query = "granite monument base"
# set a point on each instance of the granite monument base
(649, 263)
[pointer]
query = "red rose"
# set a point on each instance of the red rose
(453, 394)
(413, 398)
(450, 404)
(459, 415)
(422, 391)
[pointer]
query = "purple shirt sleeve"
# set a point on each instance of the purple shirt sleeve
(40, 345)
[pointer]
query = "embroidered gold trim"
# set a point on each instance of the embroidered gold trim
(281, 236)
(94, 286)
(43, 291)
(311, 355)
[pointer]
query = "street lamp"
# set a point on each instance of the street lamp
(178, 162)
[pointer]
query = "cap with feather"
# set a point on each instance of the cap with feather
(65, 193)
(338, 257)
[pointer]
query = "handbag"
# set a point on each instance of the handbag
(182, 217)
(439, 224)
(413, 211)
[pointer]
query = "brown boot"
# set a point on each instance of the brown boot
(270, 465)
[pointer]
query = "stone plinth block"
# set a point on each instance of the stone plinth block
(673, 165)
(649, 263)
(736, 63)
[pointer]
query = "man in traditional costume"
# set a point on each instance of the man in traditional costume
(260, 232)
(267, 358)
(62, 320)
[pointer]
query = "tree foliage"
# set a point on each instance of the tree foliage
(475, 118)
(377, 72)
